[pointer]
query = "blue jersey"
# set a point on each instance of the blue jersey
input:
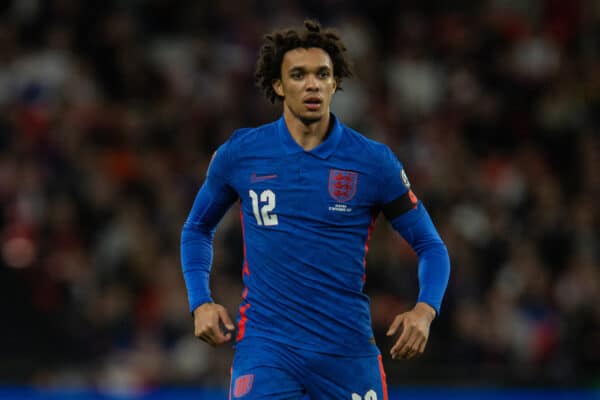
(306, 217)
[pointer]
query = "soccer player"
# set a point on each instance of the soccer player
(309, 190)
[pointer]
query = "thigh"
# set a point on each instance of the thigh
(263, 371)
(336, 378)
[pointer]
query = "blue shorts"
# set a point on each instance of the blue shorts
(268, 370)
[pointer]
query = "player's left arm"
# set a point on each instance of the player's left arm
(418, 230)
(408, 216)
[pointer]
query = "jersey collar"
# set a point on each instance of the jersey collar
(323, 150)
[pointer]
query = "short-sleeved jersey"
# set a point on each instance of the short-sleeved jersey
(306, 218)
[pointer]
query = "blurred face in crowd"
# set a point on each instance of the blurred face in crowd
(307, 83)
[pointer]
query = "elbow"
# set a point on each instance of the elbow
(433, 246)
(197, 227)
(192, 231)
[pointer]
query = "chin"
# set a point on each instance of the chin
(310, 119)
(307, 117)
(312, 116)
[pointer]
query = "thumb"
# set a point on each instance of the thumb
(226, 320)
(394, 327)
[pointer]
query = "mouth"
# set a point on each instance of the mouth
(312, 103)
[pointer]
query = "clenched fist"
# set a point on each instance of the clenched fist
(207, 324)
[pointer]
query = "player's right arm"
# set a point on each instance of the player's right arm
(212, 202)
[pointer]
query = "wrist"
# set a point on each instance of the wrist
(202, 306)
(426, 310)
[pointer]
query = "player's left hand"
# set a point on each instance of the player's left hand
(415, 331)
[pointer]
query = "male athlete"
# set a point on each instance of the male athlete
(310, 190)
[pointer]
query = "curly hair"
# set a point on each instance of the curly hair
(277, 43)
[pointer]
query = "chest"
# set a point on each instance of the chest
(331, 192)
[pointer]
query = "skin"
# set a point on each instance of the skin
(207, 320)
(414, 325)
(307, 76)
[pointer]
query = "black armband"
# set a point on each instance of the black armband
(402, 204)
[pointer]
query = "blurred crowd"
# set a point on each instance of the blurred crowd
(110, 111)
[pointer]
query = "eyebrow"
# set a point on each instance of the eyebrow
(303, 67)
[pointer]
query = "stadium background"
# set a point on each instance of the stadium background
(110, 110)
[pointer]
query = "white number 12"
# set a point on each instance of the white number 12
(370, 395)
(264, 217)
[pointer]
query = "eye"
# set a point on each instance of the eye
(297, 75)
(324, 73)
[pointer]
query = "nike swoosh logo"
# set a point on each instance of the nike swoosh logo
(254, 178)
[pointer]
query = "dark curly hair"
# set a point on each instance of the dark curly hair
(277, 43)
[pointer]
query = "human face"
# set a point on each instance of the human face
(307, 83)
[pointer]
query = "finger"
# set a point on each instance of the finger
(198, 332)
(410, 347)
(206, 331)
(394, 327)
(221, 337)
(212, 334)
(226, 320)
(422, 346)
(215, 332)
(403, 352)
(413, 348)
(401, 342)
(206, 338)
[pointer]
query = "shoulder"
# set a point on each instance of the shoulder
(367, 147)
(243, 137)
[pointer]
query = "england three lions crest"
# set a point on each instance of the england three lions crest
(342, 184)
(243, 385)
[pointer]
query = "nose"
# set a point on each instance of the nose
(312, 83)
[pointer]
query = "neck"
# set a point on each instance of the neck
(307, 133)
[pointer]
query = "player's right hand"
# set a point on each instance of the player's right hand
(207, 324)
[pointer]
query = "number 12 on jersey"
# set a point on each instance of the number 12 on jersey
(263, 210)
(370, 395)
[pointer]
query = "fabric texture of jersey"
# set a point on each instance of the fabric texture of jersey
(306, 217)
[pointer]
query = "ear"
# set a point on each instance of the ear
(335, 84)
(278, 87)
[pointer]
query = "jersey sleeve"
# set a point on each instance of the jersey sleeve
(411, 220)
(418, 230)
(397, 197)
(393, 185)
(220, 165)
(212, 202)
